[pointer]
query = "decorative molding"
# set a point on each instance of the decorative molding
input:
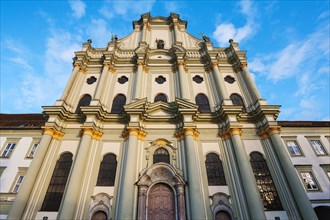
(53, 132)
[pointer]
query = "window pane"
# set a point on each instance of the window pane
(118, 104)
(214, 170)
(107, 172)
(264, 180)
(33, 150)
(309, 181)
(293, 148)
(318, 148)
(8, 150)
(57, 184)
(203, 103)
(18, 184)
(161, 155)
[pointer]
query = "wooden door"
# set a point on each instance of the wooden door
(99, 215)
(161, 203)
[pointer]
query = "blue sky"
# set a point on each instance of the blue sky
(287, 45)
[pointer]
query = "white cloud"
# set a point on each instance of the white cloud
(98, 32)
(106, 12)
(78, 7)
(226, 30)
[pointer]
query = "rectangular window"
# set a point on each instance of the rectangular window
(318, 148)
(8, 150)
(18, 184)
(309, 181)
(293, 148)
(33, 150)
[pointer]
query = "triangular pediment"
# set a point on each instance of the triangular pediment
(185, 105)
(161, 110)
(137, 105)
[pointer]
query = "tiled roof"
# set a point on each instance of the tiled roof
(21, 121)
(304, 123)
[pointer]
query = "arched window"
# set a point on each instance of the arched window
(57, 183)
(107, 172)
(203, 103)
(222, 215)
(214, 170)
(237, 100)
(118, 104)
(160, 97)
(267, 190)
(161, 155)
(99, 215)
(84, 101)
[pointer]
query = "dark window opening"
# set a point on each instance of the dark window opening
(160, 97)
(107, 172)
(57, 183)
(230, 79)
(122, 79)
(118, 104)
(198, 79)
(84, 101)
(265, 183)
(214, 170)
(91, 80)
(161, 155)
(160, 79)
(160, 44)
(203, 103)
(237, 100)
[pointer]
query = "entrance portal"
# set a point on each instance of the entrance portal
(161, 203)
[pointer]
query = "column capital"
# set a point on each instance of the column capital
(187, 131)
(91, 131)
(53, 132)
(231, 131)
(139, 132)
(269, 131)
(215, 64)
(81, 67)
(243, 64)
(110, 67)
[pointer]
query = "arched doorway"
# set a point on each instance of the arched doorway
(99, 215)
(222, 215)
(161, 203)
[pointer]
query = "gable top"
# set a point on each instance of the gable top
(159, 20)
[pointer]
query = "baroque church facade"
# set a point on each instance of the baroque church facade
(162, 125)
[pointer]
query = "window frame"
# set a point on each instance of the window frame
(308, 169)
(21, 172)
(317, 138)
(107, 181)
(215, 180)
(326, 169)
(287, 139)
(9, 141)
(34, 142)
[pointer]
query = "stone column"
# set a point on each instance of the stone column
(73, 189)
(142, 202)
(219, 82)
(181, 202)
(254, 202)
(138, 81)
(72, 79)
(249, 82)
(197, 200)
(297, 189)
(21, 199)
(126, 202)
(184, 90)
(102, 79)
(177, 32)
(76, 87)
